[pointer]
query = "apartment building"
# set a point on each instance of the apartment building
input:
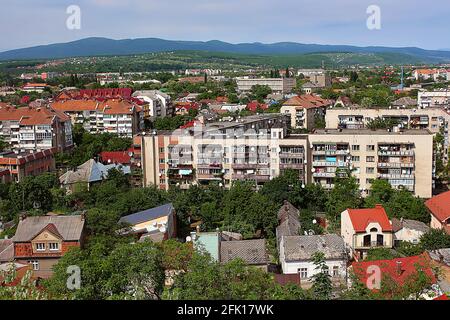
(437, 98)
(403, 158)
(17, 165)
(433, 119)
(304, 109)
(158, 103)
(426, 74)
(116, 116)
(35, 129)
(281, 85)
(259, 149)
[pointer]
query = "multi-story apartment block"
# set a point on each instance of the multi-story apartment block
(304, 109)
(433, 119)
(438, 98)
(115, 116)
(158, 103)
(259, 149)
(282, 85)
(35, 129)
(16, 165)
(404, 158)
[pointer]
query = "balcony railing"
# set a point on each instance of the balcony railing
(396, 153)
(324, 174)
(395, 165)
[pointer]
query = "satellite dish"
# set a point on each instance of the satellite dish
(162, 229)
(188, 239)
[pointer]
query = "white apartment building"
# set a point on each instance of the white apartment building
(158, 103)
(35, 129)
(438, 98)
(281, 85)
(259, 149)
(115, 116)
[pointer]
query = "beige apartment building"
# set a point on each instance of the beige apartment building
(404, 158)
(432, 119)
(258, 149)
(282, 85)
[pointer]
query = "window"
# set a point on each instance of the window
(53, 246)
(370, 170)
(370, 147)
(335, 271)
(303, 273)
(370, 159)
(326, 270)
(161, 150)
(355, 147)
(35, 264)
(40, 246)
(161, 161)
(355, 158)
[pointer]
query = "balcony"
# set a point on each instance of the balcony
(257, 177)
(205, 176)
(396, 153)
(291, 166)
(396, 176)
(292, 155)
(395, 165)
(324, 174)
(324, 164)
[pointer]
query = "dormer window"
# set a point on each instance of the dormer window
(40, 246)
(53, 246)
(373, 230)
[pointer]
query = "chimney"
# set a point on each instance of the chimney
(83, 216)
(23, 216)
(399, 267)
(378, 206)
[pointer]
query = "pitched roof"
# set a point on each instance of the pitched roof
(399, 269)
(148, 215)
(122, 157)
(104, 93)
(440, 255)
(29, 115)
(251, 251)
(75, 105)
(90, 171)
(6, 250)
(361, 218)
(297, 248)
(398, 224)
(68, 227)
(440, 206)
(307, 101)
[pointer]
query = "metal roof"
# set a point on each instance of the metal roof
(148, 215)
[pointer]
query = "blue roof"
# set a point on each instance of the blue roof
(148, 215)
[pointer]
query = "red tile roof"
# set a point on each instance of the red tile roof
(307, 101)
(443, 297)
(361, 218)
(440, 206)
(97, 94)
(254, 105)
(30, 116)
(399, 269)
(121, 157)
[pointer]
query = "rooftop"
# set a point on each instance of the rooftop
(148, 215)
(361, 218)
(251, 251)
(370, 132)
(299, 248)
(440, 206)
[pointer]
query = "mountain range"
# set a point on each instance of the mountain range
(97, 46)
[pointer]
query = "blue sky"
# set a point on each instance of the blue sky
(26, 23)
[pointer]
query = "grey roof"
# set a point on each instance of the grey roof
(405, 101)
(70, 227)
(6, 250)
(251, 251)
(441, 255)
(91, 171)
(288, 210)
(398, 224)
(298, 248)
(288, 215)
(148, 215)
(154, 236)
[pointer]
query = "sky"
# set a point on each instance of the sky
(25, 23)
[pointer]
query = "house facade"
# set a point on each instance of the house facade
(296, 256)
(364, 229)
(439, 207)
(40, 241)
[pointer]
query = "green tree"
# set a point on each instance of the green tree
(322, 286)
(435, 239)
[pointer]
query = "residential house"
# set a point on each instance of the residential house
(408, 230)
(155, 224)
(363, 229)
(288, 221)
(296, 256)
(41, 241)
(253, 252)
(88, 173)
(6, 251)
(439, 207)
(400, 270)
